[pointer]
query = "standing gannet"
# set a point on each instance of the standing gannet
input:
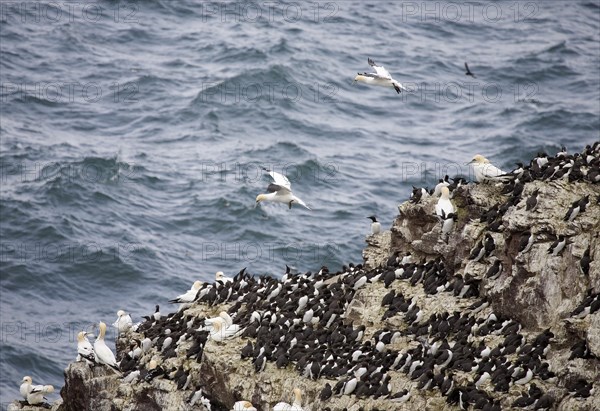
(123, 322)
(484, 170)
(381, 77)
(25, 386)
(296, 405)
(36, 393)
(85, 351)
(444, 206)
(190, 295)
(103, 354)
(280, 191)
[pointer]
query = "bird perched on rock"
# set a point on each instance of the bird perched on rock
(557, 246)
(85, 351)
(532, 200)
(486, 171)
(526, 241)
(243, 406)
(576, 208)
(104, 355)
(36, 394)
(123, 322)
(444, 206)
(375, 225)
(295, 406)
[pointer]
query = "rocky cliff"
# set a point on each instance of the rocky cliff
(427, 321)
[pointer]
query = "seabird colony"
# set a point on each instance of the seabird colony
(305, 322)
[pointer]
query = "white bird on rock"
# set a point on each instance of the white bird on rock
(243, 406)
(25, 386)
(190, 295)
(444, 206)
(85, 351)
(123, 322)
(104, 355)
(486, 171)
(295, 406)
(36, 394)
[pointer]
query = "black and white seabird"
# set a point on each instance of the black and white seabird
(557, 246)
(532, 200)
(469, 72)
(584, 263)
(526, 241)
(375, 225)
(495, 270)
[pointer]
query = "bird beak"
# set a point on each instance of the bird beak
(256, 204)
(470, 162)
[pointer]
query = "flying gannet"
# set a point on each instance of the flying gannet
(280, 191)
(381, 77)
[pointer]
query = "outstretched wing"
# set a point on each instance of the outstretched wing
(280, 180)
(380, 70)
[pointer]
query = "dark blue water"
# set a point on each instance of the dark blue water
(133, 137)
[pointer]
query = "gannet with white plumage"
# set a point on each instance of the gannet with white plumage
(243, 406)
(381, 77)
(85, 351)
(486, 171)
(295, 406)
(104, 355)
(25, 387)
(444, 206)
(123, 322)
(189, 296)
(36, 394)
(280, 191)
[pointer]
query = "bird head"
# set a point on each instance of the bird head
(359, 77)
(373, 218)
(102, 328)
(259, 198)
(479, 159)
(27, 379)
(120, 313)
